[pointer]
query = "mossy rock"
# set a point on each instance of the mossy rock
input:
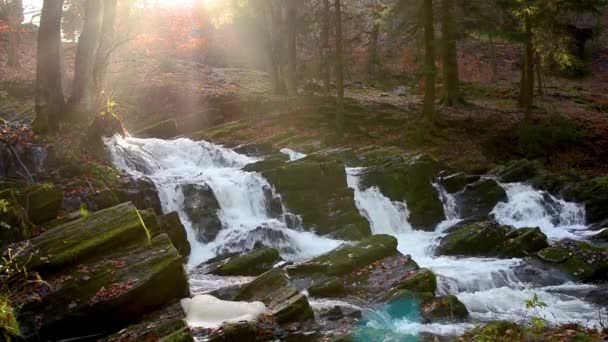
(517, 171)
(332, 288)
(499, 331)
(407, 178)
(458, 181)
(479, 199)
(489, 239)
(172, 225)
(423, 281)
(445, 308)
(167, 324)
(42, 202)
(579, 259)
(594, 194)
(102, 200)
(348, 258)
(107, 291)
(166, 129)
(253, 263)
(14, 222)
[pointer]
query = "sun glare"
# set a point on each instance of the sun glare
(177, 3)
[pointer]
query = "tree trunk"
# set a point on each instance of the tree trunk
(528, 87)
(429, 62)
(267, 39)
(12, 60)
(106, 41)
(325, 49)
(82, 87)
(15, 17)
(339, 70)
(372, 52)
(292, 86)
(451, 86)
(49, 91)
(539, 75)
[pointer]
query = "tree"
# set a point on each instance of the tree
(429, 62)
(372, 51)
(451, 86)
(325, 48)
(291, 78)
(88, 42)
(49, 90)
(106, 45)
(339, 70)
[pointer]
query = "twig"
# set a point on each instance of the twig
(29, 177)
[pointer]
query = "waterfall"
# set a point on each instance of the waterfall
(489, 287)
(242, 196)
(293, 155)
(528, 207)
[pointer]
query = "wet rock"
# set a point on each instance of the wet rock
(19, 160)
(333, 287)
(490, 239)
(456, 182)
(104, 271)
(141, 192)
(445, 308)
(201, 207)
(579, 259)
(423, 281)
(166, 325)
(265, 235)
(480, 198)
(344, 155)
(407, 178)
(256, 149)
(517, 171)
(172, 225)
(253, 263)
(348, 258)
(166, 129)
(273, 288)
(102, 200)
(594, 194)
(317, 191)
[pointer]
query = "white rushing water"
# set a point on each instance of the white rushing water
(489, 287)
(241, 195)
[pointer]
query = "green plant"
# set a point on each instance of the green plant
(84, 212)
(4, 206)
(538, 324)
(47, 186)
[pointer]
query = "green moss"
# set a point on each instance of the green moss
(296, 309)
(445, 308)
(9, 327)
(500, 331)
(253, 263)
(334, 287)
(422, 282)
(578, 259)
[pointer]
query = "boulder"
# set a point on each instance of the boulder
(405, 178)
(201, 207)
(444, 308)
(254, 263)
(516, 171)
(165, 325)
(579, 259)
(140, 191)
(42, 202)
(422, 281)
(166, 129)
(172, 225)
(479, 199)
(14, 222)
(333, 287)
(594, 194)
(456, 182)
(273, 288)
(317, 191)
(256, 149)
(349, 258)
(489, 239)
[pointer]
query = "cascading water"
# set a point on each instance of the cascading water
(528, 207)
(489, 287)
(242, 196)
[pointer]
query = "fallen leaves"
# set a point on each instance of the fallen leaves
(113, 291)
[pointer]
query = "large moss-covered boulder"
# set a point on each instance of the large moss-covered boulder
(348, 258)
(408, 178)
(253, 263)
(274, 289)
(423, 281)
(317, 191)
(201, 207)
(104, 271)
(579, 259)
(444, 308)
(14, 222)
(42, 202)
(166, 129)
(479, 199)
(456, 182)
(490, 239)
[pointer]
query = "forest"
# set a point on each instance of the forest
(304, 170)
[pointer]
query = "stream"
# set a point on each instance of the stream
(490, 288)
